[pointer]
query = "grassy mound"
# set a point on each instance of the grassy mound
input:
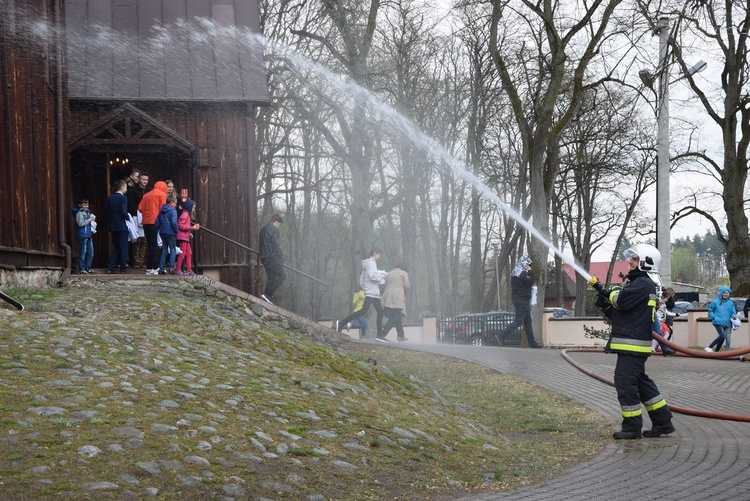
(133, 388)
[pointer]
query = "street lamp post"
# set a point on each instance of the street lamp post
(497, 272)
(663, 238)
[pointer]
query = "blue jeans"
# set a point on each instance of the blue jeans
(360, 323)
(723, 335)
(85, 254)
(168, 246)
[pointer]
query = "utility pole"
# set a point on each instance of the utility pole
(663, 238)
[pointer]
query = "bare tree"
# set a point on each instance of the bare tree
(606, 166)
(721, 27)
(545, 86)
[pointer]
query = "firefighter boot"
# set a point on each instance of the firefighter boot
(626, 435)
(658, 430)
(631, 428)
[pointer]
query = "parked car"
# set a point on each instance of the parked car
(561, 312)
(739, 303)
(478, 329)
(682, 307)
(485, 329)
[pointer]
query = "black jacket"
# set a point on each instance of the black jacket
(135, 194)
(521, 286)
(270, 245)
(634, 308)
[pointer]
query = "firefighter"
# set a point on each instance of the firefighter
(632, 309)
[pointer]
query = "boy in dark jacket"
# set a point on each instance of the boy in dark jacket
(166, 224)
(117, 215)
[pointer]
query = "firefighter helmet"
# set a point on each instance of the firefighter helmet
(649, 258)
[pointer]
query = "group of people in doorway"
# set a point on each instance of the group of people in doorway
(150, 228)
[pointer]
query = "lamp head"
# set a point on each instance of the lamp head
(697, 67)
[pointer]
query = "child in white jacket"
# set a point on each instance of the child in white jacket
(369, 281)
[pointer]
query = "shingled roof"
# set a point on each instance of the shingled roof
(187, 50)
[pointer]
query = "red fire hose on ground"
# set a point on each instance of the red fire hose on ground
(683, 352)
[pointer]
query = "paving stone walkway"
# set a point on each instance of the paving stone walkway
(704, 459)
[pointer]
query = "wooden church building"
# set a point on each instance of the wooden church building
(95, 88)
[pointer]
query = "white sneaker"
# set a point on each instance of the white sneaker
(152, 272)
(708, 349)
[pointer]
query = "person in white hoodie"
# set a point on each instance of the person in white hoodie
(369, 281)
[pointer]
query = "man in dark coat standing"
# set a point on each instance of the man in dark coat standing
(272, 257)
(117, 213)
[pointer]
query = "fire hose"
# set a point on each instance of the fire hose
(682, 352)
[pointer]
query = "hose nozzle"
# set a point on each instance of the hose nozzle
(594, 282)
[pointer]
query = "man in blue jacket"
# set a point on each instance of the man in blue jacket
(117, 214)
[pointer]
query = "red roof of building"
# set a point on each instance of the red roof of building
(599, 270)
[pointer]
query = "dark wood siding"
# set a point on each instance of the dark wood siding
(203, 93)
(28, 171)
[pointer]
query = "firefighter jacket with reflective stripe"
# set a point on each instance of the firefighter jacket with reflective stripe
(634, 307)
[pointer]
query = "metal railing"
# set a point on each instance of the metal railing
(480, 329)
(250, 249)
(10, 300)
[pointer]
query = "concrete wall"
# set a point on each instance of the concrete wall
(692, 330)
(38, 278)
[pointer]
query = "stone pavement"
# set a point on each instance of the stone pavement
(705, 458)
